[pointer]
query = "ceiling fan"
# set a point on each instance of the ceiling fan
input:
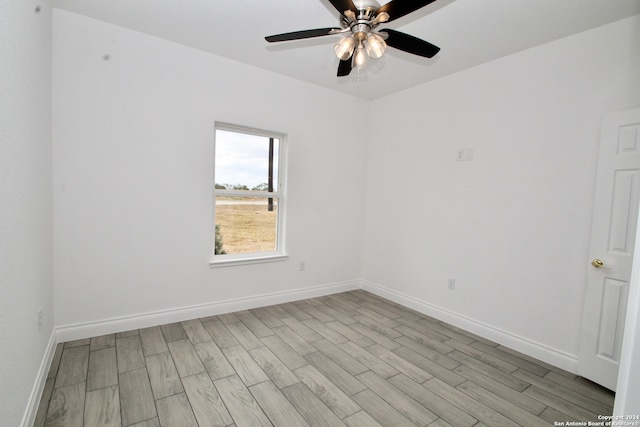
(359, 19)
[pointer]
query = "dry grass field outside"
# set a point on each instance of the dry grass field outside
(246, 225)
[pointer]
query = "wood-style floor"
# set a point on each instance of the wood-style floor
(350, 359)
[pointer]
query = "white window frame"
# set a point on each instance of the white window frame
(278, 194)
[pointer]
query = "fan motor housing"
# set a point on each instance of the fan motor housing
(366, 4)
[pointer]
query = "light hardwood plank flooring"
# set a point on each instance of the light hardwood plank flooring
(351, 359)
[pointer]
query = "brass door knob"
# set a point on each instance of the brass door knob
(597, 263)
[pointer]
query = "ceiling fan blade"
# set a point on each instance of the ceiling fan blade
(344, 67)
(410, 43)
(344, 5)
(399, 8)
(305, 34)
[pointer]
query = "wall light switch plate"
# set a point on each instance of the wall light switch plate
(464, 154)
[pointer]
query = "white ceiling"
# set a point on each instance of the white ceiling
(469, 32)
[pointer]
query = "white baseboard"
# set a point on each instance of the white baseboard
(108, 326)
(126, 323)
(539, 351)
(36, 392)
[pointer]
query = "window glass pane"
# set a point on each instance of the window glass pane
(243, 161)
(245, 225)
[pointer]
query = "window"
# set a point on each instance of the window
(249, 203)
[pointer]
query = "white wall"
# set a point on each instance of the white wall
(25, 201)
(511, 226)
(133, 174)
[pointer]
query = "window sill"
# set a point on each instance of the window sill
(229, 262)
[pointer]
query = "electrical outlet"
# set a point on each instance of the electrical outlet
(303, 266)
(451, 284)
(40, 319)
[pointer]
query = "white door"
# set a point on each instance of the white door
(613, 233)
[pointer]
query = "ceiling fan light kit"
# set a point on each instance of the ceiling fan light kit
(359, 19)
(345, 47)
(360, 57)
(361, 26)
(375, 46)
